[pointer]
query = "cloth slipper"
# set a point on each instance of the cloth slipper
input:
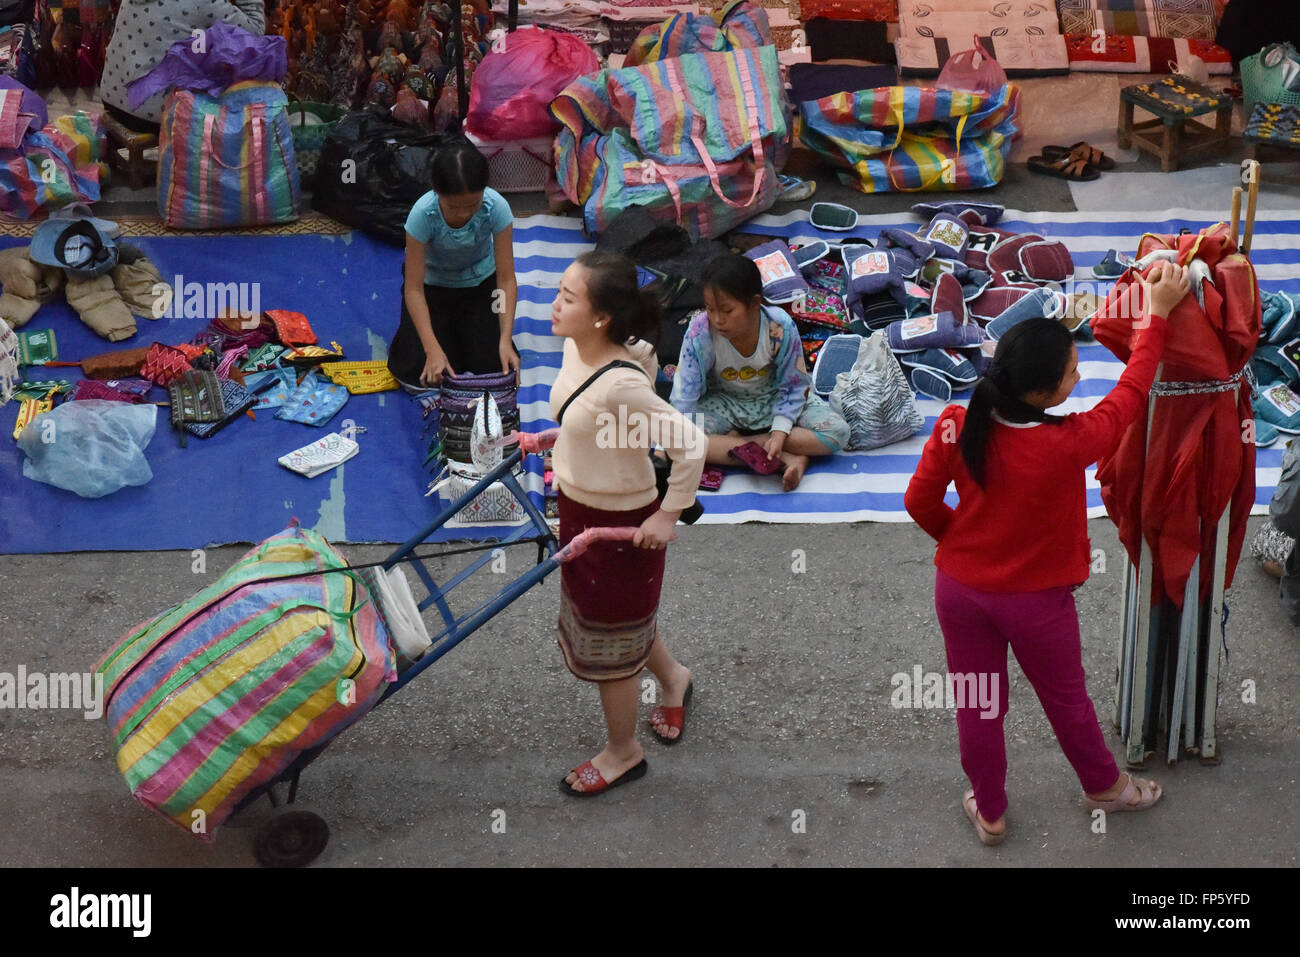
(954, 366)
(1265, 434)
(1147, 792)
(988, 213)
(1280, 319)
(1113, 265)
(837, 354)
(928, 382)
(1040, 302)
(673, 717)
(793, 189)
(987, 837)
(936, 331)
(1279, 407)
(1068, 167)
(594, 781)
(1082, 150)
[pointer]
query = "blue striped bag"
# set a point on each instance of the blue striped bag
(227, 161)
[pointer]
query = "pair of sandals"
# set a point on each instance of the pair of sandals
(594, 782)
(1146, 793)
(1080, 163)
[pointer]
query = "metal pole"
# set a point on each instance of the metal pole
(1209, 743)
(1135, 754)
(1186, 635)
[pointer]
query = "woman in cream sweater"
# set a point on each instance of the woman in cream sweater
(610, 595)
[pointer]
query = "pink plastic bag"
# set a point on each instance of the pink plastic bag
(972, 71)
(511, 94)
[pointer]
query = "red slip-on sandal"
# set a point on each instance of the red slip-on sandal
(594, 782)
(673, 717)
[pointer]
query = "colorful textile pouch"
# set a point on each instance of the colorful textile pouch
(268, 394)
(314, 402)
(782, 279)
(29, 409)
(45, 389)
(941, 331)
(93, 389)
(262, 357)
(223, 337)
(320, 456)
(235, 398)
(312, 355)
(163, 364)
(37, 348)
(361, 378)
(291, 328)
(195, 397)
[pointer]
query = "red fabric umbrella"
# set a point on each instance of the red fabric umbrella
(1201, 455)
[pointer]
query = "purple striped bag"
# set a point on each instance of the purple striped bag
(227, 161)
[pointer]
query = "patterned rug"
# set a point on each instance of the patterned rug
(150, 226)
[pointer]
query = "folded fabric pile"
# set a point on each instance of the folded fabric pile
(849, 29)
(1023, 35)
(1141, 36)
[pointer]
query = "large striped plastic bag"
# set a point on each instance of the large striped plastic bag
(696, 139)
(738, 24)
(216, 696)
(227, 161)
(909, 138)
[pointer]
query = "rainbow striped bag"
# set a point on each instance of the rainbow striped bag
(738, 24)
(227, 161)
(696, 139)
(219, 694)
(909, 138)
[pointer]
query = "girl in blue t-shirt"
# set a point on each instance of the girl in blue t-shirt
(459, 289)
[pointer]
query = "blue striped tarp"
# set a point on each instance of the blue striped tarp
(869, 486)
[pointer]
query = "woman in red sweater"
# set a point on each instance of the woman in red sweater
(1016, 546)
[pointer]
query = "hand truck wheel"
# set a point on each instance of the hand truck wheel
(291, 837)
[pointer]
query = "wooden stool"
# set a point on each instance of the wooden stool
(139, 171)
(1174, 100)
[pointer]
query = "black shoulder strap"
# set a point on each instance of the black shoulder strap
(616, 364)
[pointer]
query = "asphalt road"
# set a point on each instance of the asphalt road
(792, 713)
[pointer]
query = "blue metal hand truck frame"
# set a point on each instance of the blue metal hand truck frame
(294, 836)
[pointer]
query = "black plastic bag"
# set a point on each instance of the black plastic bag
(372, 169)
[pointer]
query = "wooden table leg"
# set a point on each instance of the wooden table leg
(1172, 148)
(1223, 123)
(1125, 124)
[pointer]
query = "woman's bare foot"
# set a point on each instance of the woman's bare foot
(674, 691)
(611, 765)
(795, 466)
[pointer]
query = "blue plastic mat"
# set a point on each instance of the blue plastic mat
(230, 488)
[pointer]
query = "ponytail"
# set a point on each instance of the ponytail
(1030, 358)
(613, 290)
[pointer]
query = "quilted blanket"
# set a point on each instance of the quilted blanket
(1023, 35)
(1167, 19)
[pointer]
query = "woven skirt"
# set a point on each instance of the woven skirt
(609, 596)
